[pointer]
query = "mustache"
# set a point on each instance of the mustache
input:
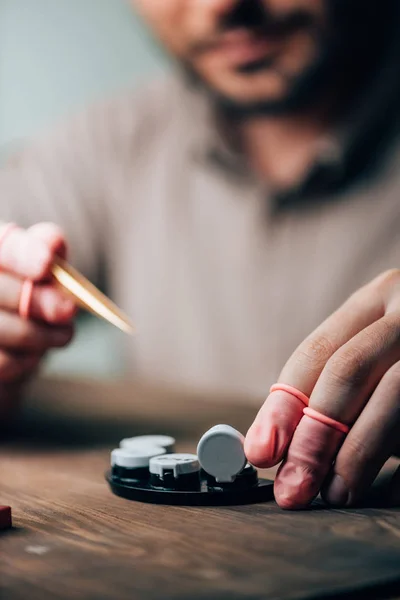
(258, 20)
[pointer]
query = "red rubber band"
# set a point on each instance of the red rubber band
(283, 387)
(6, 232)
(317, 416)
(25, 299)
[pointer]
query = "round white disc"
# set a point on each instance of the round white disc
(140, 441)
(135, 458)
(181, 464)
(221, 452)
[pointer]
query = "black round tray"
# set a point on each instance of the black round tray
(143, 491)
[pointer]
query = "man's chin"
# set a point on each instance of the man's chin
(293, 98)
(248, 93)
(253, 107)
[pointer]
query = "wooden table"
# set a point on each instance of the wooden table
(74, 539)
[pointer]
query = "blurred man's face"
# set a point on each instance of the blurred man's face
(250, 52)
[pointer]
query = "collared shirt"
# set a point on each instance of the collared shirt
(222, 278)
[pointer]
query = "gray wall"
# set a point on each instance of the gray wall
(57, 55)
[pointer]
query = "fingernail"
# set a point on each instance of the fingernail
(337, 492)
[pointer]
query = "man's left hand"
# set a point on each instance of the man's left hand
(349, 367)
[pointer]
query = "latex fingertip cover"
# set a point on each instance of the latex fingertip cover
(262, 450)
(309, 459)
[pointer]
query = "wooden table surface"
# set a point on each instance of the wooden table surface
(74, 539)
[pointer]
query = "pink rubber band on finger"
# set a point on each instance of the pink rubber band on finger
(317, 416)
(283, 387)
(25, 299)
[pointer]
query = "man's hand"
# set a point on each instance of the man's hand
(350, 369)
(23, 343)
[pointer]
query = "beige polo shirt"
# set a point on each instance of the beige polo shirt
(222, 279)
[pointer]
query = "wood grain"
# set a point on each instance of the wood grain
(74, 539)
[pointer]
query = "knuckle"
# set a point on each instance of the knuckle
(315, 352)
(387, 279)
(348, 367)
(387, 331)
(373, 340)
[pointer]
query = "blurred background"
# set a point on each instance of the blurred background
(56, 56)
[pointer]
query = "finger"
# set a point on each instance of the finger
(371, 441)
(14, 366)
(341, 393)
(268, 438)
(24, 254)
(306, 464)
(22, 335)
(47, 304)
(52, 305)
(52, 235)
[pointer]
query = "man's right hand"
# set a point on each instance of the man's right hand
(23, 342)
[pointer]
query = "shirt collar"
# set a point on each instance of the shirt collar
(208, 142)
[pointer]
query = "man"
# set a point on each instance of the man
(233, 208)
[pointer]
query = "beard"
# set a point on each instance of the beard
(349, 52)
